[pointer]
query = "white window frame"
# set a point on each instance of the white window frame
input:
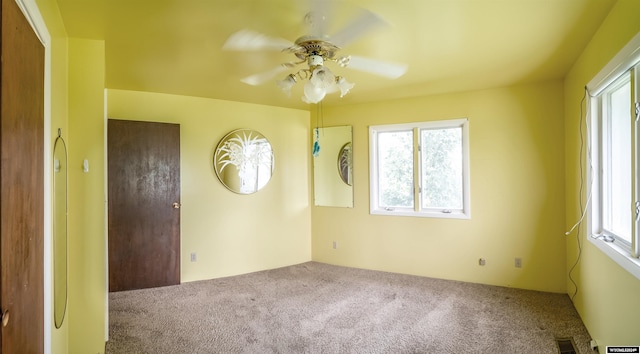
(418, 210)
(626, 62)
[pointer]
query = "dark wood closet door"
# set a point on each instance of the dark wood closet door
(144, 202)
(22, 184)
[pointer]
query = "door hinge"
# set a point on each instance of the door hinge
(637, 111)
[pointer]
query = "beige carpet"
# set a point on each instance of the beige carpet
(319, 308)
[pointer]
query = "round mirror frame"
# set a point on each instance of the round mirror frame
(60, 230)
(244, 161)
(345, 161)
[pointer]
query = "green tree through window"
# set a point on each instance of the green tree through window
(396, 169)
(442, 168)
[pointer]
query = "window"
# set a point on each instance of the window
(615, 160)
(420, 169)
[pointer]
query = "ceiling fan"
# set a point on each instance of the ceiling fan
(315, 49)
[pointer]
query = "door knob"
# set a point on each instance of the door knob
(5, 318)
(176, 205)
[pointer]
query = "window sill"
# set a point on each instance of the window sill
(618, 255)
(440, 215)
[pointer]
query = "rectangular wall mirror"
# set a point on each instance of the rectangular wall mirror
(333, 167)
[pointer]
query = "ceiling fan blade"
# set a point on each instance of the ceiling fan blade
(263, 77)
(377, 67)
(316, 19)
(250, 40)
(365, 22)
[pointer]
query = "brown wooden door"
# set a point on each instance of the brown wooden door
(22, 183)
(144, 223)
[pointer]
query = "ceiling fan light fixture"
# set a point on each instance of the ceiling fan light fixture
(320, 81)
(321, 76)
(343, 85)
(313, 93)
(287, 84)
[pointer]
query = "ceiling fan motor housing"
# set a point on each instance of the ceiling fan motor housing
(309, 45)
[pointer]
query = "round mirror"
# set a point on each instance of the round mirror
(59, 230)
(243, 161)
(344, 163)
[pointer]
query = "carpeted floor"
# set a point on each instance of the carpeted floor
(319, 308)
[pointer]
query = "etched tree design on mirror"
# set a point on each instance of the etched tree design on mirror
(251, 155)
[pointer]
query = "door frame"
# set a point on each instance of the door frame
(32, 13)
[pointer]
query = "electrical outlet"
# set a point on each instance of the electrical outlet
(335, 245)
(482, 261)
(518, 262)
(194, 257)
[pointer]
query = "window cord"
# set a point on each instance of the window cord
(320, 115)
(316, 135)
(583, 209)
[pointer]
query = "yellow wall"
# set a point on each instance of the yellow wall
(59, 114)
(517, 193)
(87, 240)
(608, 296)
(231, 233)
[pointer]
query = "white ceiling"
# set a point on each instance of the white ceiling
(174, 46)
